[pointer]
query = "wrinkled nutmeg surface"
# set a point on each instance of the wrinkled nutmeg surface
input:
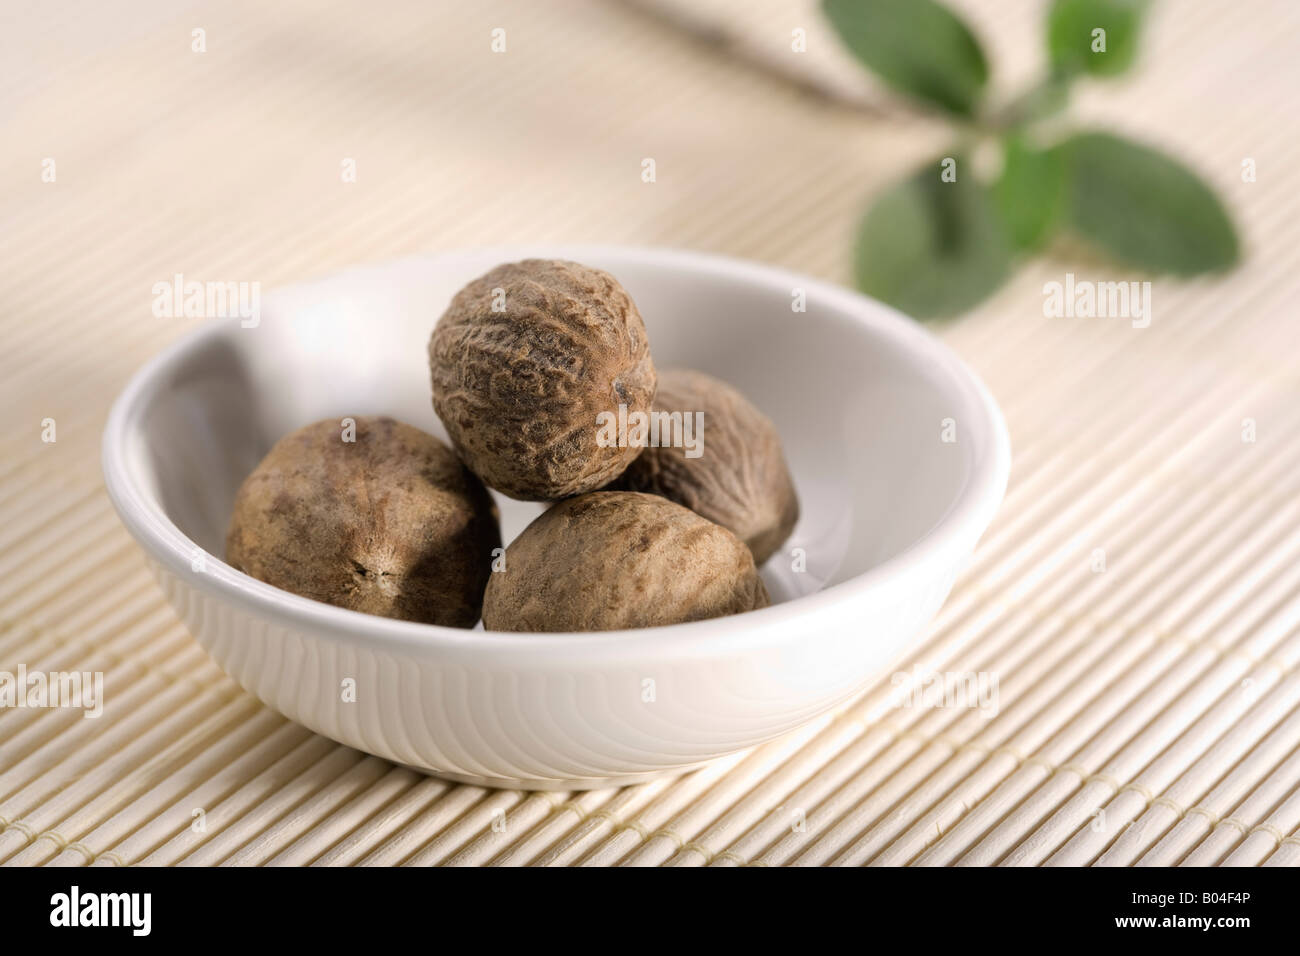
(391, 524)
(612, 560)
(519, 389)
(740, 480)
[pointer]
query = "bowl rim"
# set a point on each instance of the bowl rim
(948, 542)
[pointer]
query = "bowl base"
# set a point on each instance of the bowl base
(582, 783)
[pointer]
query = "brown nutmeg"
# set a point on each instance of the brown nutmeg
(739, 480)
(617, 559)
(525, 360)
(390, 523)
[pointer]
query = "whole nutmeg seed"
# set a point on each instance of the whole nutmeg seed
(390, 523)
(523, 363)
(739, 479)
(617, 559)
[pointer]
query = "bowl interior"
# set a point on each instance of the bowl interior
(860, 407)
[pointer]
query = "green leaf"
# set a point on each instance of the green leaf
(932, 248)
(916, 46)
(1029, 193)
(1145, 208)
(1074, 45)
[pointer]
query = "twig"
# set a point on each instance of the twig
(712, 38)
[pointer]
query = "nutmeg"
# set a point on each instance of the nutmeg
(390, 523)
(523, 363)
(738, 477)
(617, 559)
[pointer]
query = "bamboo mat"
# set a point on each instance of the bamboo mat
(1148, 713)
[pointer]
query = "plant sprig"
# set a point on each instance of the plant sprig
(942, 240)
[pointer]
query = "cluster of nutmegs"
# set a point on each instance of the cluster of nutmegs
(529, 364)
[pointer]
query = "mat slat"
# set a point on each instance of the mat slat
(1147, 714)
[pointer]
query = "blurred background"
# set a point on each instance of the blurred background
(228, 164)
(248, 141)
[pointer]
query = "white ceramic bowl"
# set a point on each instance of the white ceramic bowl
(890, 513)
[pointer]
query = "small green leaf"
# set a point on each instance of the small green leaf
(932, 248)
(1143, 207)
(1094, 36)
(1029, 193)
(916, 46)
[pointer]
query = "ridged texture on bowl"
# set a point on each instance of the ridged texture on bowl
(572, 721)
(523, 363)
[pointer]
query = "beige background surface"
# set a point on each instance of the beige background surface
(1161, 692)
